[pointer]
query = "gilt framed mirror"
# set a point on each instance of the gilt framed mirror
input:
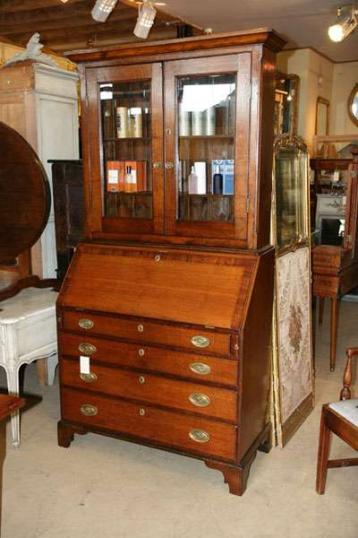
(353, 105)
(286, 104)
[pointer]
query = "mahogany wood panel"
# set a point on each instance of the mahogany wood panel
(24, 195)
(145, 331)
(255, 369)
(161, 285)
(152, 389)
(153, 359)
(164, 427)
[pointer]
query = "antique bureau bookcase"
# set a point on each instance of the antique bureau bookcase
(164, 316)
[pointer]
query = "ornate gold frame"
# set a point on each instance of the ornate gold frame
(350, 102)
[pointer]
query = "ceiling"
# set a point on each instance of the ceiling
(303, 23)
(69, 26)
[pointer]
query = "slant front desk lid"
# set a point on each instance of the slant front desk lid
(198, 288)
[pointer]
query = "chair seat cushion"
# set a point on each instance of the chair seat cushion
(348, 409)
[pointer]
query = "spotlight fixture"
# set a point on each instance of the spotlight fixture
(347, 22)
(146, 16)
(102, 9)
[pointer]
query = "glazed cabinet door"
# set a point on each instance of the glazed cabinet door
(123, 134)
(207, 119)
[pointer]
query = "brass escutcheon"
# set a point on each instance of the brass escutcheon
(141, 379)
(140, 328)
(200, 341)
(88, 378)
(89, 410)
(199, 399)
(87, 349)
(141, 352)
(157, 258)
(85, 323)
(142, 412)
(200, 368)
(199, 436)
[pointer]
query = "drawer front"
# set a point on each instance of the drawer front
(201, 399)
(201, 341)
(197, 367)
(193, 434)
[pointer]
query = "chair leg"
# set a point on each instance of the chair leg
(320, 310)
(334, 329)
(323, 453)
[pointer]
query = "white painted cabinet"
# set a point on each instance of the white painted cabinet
(41, 103)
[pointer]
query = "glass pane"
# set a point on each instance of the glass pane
(206, 134)
(127, 151)
(291, 184)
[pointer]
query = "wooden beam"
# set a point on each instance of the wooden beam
(49, 23)
(11, 6)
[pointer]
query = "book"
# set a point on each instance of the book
(138, 175)
(115, 176)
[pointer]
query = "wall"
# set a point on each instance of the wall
(319, 77)
(345, 76)
(316, 75)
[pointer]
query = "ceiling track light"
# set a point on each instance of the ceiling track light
(102, 9)
(146, 16)
(347, 22)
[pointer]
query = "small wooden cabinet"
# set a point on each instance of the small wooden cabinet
(165, 313)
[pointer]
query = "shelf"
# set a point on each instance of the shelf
(129, 139)
(207, 137)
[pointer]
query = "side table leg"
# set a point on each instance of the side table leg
(334, 329)
(13, 388)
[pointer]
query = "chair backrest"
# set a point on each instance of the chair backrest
(346, 392)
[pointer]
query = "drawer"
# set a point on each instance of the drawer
(198, 340)
(196, 398)
(197, 367)
(193, 434)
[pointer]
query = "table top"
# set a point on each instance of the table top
(26, 303)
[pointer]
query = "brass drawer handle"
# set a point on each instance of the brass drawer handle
(200, 341)
(88, 378)
(87, 349)
(89, 410)
(199, 399)
(200, 368)
(199, 436)
(140, 328)
(141, 379)
(86, 323)
(141, 352)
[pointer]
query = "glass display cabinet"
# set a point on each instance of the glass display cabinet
(160, 308)
(292, 344)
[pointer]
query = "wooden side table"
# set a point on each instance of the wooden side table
(27, 333)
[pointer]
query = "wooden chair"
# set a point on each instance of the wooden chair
(340, 418)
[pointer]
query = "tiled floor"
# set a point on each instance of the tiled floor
(104, 488)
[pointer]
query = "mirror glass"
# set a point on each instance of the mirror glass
(353, 105)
